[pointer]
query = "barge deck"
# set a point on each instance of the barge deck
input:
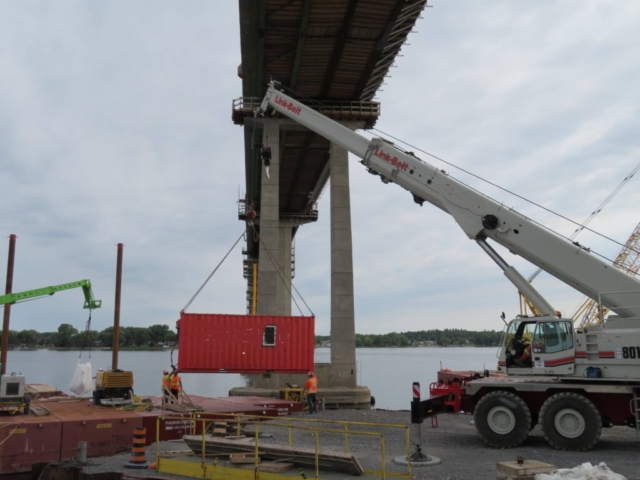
(53, 428)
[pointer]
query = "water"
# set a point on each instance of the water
(388, 372)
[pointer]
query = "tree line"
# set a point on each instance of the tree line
(67, 336)
(443, 338)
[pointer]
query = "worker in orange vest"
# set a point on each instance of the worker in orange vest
(175, 384)
(165, 385)
(311, 389)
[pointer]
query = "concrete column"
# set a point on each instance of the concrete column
(284, 301)
(343, 349)
(268, 277)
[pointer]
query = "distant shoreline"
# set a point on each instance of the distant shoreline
(160, 349)
(96, 349)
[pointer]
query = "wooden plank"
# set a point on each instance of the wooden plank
(502, 476)
(242, 458)
(275, 467)
(330, 461)
(40, 411)
(526, 468)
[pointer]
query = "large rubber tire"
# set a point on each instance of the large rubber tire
(502, 419)
(570, 422)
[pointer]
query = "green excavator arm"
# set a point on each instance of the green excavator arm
(89, 301)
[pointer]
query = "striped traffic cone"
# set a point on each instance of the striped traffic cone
(138, 449)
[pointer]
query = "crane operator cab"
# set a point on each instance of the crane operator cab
(539, 346)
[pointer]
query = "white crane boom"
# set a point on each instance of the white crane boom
(479, 216)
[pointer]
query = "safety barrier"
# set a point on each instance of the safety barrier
(292, 424)
(138, 457)
(361, 111)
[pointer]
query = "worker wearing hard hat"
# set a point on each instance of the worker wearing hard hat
(165, 386)
(311, 389)
(175, 384)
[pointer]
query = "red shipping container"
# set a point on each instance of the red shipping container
(213, 343)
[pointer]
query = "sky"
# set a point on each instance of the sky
(115, 126)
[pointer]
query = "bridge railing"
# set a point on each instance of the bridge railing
(367, 112)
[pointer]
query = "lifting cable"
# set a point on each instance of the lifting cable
(595, 213)
(87, 336)
(581, 227)
(212, 273)
(280, 272)
(173, 365)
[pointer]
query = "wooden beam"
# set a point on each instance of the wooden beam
(338, 48)
(302, 34)
(377, 51)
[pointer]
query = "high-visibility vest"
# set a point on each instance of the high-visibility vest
(312, 385)
(527, 353)
(174, 383)
(165, 381)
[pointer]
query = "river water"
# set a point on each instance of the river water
(388, 372)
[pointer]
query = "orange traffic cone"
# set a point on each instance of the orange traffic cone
(138, 449)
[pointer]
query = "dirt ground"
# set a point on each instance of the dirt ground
(463, 453)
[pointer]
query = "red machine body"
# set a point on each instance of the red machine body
(219, 343)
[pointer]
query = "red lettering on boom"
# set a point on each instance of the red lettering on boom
(392, 160)
(288, 105)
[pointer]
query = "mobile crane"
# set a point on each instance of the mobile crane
(13, 398)
(575, 381)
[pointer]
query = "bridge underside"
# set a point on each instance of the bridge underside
(333, 55)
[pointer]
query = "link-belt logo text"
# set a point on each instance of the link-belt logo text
(392, 160)
(288, 105)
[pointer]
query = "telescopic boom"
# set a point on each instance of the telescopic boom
(479, 216)
(89, 301)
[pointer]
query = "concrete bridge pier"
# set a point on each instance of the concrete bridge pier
(343, 330)
(337, 380)
(269, 274)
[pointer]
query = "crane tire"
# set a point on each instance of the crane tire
(570, 421)
(502, 419)
(534, 420)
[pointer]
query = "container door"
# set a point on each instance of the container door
(553, 348)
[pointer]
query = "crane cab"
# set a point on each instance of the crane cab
(539, 346)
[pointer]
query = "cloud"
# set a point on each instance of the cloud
(115, 127)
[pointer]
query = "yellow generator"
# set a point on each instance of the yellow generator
(113, 387)
(292, 393)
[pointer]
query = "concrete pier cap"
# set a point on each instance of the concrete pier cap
(334, 387)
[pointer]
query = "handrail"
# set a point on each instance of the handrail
(256, 420)
(616, 293)
(360, 110)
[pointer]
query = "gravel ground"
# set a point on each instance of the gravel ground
(464, 455)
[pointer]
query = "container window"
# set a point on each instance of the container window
(269, 338)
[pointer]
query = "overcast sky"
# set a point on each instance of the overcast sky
(115, 126)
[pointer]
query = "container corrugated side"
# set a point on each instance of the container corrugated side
(213, 343)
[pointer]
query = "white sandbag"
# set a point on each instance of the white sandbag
(82, 382)
(586, 471)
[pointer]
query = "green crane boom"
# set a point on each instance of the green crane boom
(89, 301)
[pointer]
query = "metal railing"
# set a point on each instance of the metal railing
(366, 111)
(290, 423)
(601, 294)
(308, 213)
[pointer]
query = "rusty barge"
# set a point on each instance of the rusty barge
(56, 424)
